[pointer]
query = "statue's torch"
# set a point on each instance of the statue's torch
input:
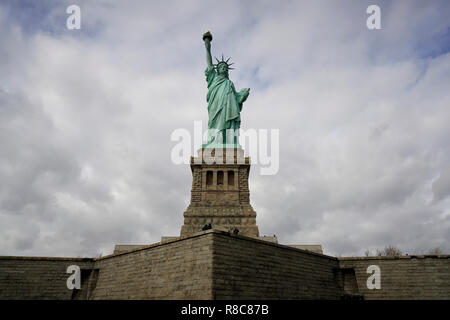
(207, 35)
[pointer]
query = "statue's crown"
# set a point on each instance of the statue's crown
(223, 61)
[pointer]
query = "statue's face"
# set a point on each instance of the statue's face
(222, 68)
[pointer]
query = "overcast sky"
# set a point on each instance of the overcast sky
(86, 118)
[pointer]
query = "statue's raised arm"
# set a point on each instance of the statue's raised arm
(207, 38)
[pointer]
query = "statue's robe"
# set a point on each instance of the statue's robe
(224, 103)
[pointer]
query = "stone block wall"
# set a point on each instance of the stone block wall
(40, 277)
(403, 277)
(246, 268)
(179, 269)
(217, 265)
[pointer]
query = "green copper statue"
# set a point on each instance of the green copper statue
(224, 102)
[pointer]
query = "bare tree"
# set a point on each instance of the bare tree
(389, 251)
(435, 251)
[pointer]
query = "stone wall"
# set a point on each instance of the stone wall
(246, 268)
(404, 277)
(216, 265)
(179, 269)
(40, 278)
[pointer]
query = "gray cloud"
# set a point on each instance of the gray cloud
(86, 118)
(441, 186)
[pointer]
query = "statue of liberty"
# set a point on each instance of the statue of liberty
(224, 102)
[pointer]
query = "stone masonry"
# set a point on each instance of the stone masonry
(214, 264)
(220, 194)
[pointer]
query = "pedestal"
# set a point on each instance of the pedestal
(220, 195)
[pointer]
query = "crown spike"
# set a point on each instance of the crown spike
(223, 61)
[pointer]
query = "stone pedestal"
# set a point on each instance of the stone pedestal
(220, 194)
